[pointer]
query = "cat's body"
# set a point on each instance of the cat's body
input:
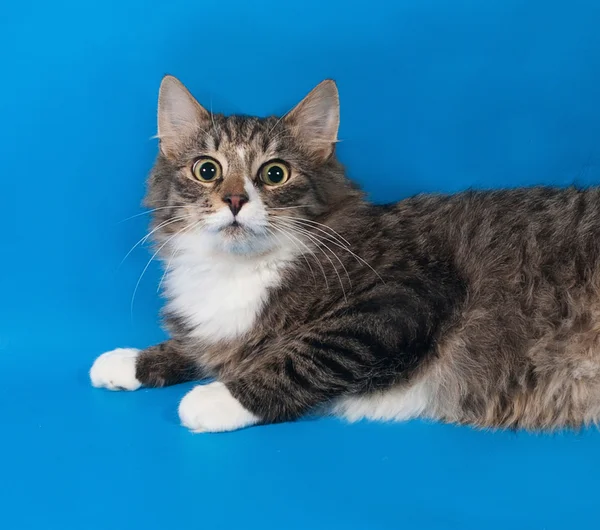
(479, 308)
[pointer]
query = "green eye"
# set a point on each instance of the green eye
(274, 173)
(206, 169)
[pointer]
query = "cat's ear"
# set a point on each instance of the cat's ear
(180, 116)
(315, 120)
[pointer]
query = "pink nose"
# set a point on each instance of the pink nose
(235, 202)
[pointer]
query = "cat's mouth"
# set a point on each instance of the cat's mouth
(235, 229)
(239, 238)
(238, 228)
(235, 225)
(238, 232)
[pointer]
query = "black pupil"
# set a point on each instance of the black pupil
(208, 171)
(275, 174)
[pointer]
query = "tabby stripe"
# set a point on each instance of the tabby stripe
(224, 127)
(186, 193)
(265, 144)
(335, 367)
(321, 200)
(253, 132)
(364, 338)
(382, 299)
(342, 351)
(294, 375)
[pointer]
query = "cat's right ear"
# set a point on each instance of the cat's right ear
(180, 116)
(315, 120)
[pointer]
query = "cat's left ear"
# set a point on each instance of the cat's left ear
(316, 119)
(180, 116)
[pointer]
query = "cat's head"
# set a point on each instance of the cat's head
(236, 182)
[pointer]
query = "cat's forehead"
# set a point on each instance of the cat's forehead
(243, 130)
(243, 138)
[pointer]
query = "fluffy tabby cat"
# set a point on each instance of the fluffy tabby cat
(297, 295)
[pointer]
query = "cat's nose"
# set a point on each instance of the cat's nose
(235, 202)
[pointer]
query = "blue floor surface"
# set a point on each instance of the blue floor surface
(77, 457)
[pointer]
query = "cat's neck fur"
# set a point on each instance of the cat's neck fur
(219, 295)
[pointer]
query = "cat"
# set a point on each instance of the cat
(299, 297)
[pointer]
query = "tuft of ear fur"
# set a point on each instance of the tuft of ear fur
(180, 116)
(315, 120)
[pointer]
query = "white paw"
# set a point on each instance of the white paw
(212, 408)
(115, 370)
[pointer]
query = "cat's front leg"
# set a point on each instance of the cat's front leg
(289, 378)
(129, 368)
(283, 390)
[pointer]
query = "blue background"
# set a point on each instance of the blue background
(436, 95)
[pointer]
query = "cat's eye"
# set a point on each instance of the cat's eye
(206, 169)
(274, 173)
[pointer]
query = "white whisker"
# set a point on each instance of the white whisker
(315, 223)
(279, 120)
(290, 236)
(270, 230)
(145, 238)
(148, 212)
(332, 239)
(289, 207)
(334, 235)
(319, 243)
(168, 266)
(150, 261)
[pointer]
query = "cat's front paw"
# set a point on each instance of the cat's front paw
(212, 408)
(115, 370)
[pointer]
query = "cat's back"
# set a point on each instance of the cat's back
(529, 257)
(500, 231)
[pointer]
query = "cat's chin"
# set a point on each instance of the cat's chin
(242, 241)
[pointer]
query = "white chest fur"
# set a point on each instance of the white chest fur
(220, 296)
